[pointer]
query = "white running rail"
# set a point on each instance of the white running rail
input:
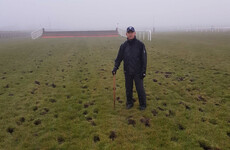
(37, 33)
(145, 34)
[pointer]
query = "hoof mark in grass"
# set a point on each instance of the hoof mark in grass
(154, 80)
(53, 85)
(112, 135)
(86, 105)
(228, 134)
(93, 123)
(96, 138)
(175, 139)
(171, 113)
(160, 108)
(35, 108)
(132, 122)
(154, 112)
(181, 127)
(85, 112)
(88, 118)
(7, 86)
(201, 98)
(206, 146)
(60, 139)
(37, 82)
(145, 121)
(37, 122)
(53, 100)
(213, 121)
(45, 111)
(10, 130)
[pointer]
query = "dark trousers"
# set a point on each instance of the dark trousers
(139, 88)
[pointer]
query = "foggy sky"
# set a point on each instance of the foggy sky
(105, 14)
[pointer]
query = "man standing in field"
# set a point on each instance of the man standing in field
(134, 55)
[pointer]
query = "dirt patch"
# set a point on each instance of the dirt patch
(60, 140)
(112, 135)
(86, 105)
(213, 121)
(6, 86)
(84, 87)
(45, 111)
(181, 127)
(228, 134)
(33, 91)
(131, 122)
(35, 108)
(170, 113)
(201, 98)
(180, 78)
(10, 130)
(161, 109)
(37, 82)
(88, 118)
(175, 139)
(53, 100)
(93, 123)
(201, 110)
(95, 111)
(96, 138)
(37, 122)
(154, 80)
(85, 112)
(154, 112)
(206, 146)
(53, 85)
(145, 121)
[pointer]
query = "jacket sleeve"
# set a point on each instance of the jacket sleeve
(144, 59)
(120, 57)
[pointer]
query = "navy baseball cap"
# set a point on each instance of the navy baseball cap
(130, 28)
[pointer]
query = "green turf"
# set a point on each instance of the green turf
(58, 94)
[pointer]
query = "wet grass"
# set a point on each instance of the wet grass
(58, 94)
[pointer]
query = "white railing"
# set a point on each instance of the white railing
(37, 33)
(145, 34)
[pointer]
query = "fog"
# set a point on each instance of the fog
(107, 14)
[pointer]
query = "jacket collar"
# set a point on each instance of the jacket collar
(132, 40)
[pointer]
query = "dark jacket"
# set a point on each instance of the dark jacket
(134, 55)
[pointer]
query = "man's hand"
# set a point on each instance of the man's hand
(114, 71)
(143, 75)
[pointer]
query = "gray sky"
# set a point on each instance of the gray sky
(105, 14)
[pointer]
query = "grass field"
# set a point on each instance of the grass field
(58, 94)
